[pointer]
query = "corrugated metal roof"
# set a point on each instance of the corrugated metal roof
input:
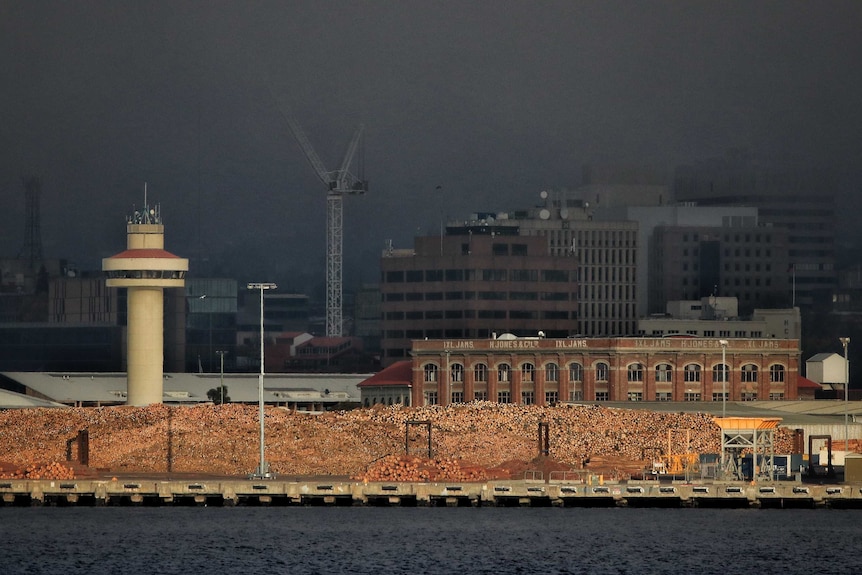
(109, 388)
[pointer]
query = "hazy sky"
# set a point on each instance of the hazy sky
(492, 100)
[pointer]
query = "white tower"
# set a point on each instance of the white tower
(145, 269)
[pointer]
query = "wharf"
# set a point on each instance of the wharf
(510, 493)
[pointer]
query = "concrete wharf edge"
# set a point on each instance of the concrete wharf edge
(523, 493)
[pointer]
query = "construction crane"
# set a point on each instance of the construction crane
(338, 184)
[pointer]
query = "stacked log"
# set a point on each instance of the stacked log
(51, 470)
(224, 439)
(419, 469)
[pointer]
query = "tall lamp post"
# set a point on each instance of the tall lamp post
(221, 353)
(723, 344)
(262, 471)
(845, 341)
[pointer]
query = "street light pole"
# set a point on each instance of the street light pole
(221, 353)
(723, 344)
(262, 470)
(845, 341)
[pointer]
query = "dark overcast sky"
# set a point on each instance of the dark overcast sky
(493, 100)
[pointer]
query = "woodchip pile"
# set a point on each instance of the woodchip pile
(470, 439)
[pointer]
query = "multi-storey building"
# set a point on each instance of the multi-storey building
(800, 201)
(473, 285)
(719, 317)
(546, 371)
(748, 263)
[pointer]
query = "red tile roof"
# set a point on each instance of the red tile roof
(805, 383)
(399, 374)
(144, 253)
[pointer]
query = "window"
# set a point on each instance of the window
(576, 395)
(480, 373)
(662, 396)
(555, 275)
(636, 372)
(392, 277)
(500, 249)
(692, 374)
(433, 275)
(691, 396)
(576, 372)
(519, 249)
(552, 372)
(602, 396)
(719, 373)
(504, 373)
(776, 396)
(663, 373)
(776, 374)
(457, 397)
(719, 396)
(504, 397)
(457, 374)
(430, 398)
(527, 372)
(480, 395)
(527, 398)
(749, 395)
(430, 373)
(749, 373)
(551, 397)
(414, 276)
(602, 372)
(636, 396)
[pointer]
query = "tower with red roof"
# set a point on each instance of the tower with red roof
(145, 269)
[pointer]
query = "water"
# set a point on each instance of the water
(314, 540)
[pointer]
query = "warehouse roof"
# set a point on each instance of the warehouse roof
(75, 388)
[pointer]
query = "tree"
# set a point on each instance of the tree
(218, 395)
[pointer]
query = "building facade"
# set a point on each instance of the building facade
(750, 264)
(800, 201)
(546, 371)
(473, 286)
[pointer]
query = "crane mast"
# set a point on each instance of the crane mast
(338, 183)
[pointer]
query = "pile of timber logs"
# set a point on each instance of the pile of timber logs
(224, 439)
(413, 468)
(52, 470)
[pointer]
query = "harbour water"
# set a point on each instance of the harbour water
(499, 541)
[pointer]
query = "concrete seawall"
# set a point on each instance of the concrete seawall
(516, 493)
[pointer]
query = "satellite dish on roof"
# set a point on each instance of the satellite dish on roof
(507, 335)
(543, 194)
(564, 213)
(544, 214)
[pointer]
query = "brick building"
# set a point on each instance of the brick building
(472, 286)
(546, 371)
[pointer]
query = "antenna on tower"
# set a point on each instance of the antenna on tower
(32, 249)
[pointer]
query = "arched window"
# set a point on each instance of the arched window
(457, 373)
(663, 372)
(576, 372)
(480, 373)
(552, 372)
(776, 373)
(636, 372)
(749, 373)
(692, 373)
(719, 373)
(504, 373)
(527, 371)
(601, 372)
(430, 373)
